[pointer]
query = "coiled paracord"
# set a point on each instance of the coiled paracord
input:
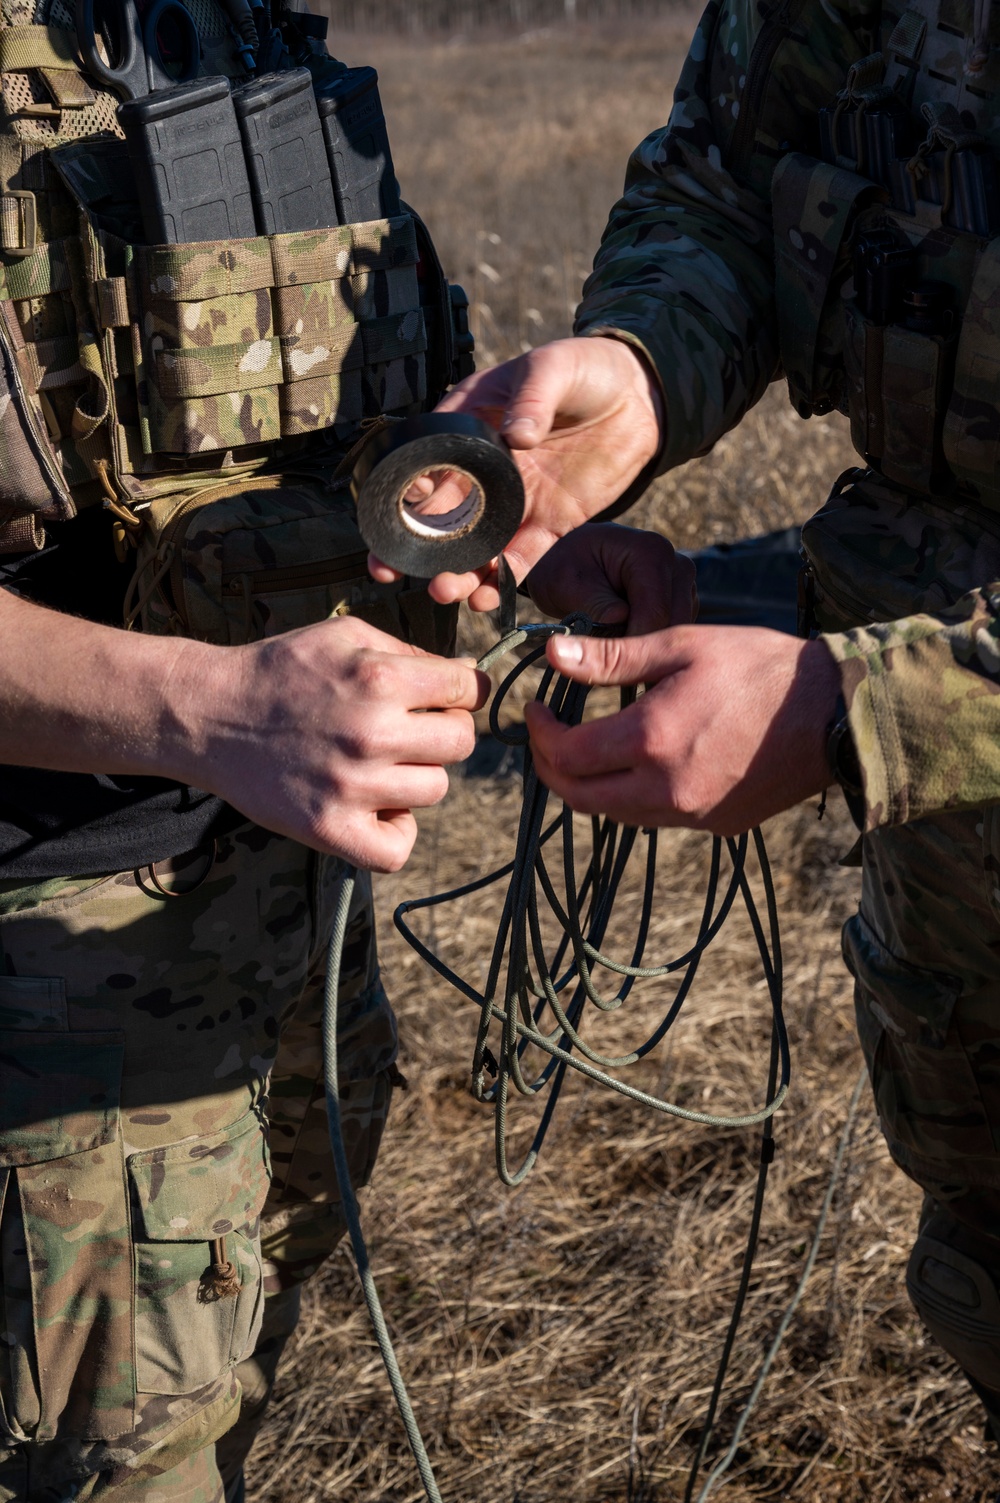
(535, 982)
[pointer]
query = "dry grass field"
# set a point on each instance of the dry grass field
(560, 1340)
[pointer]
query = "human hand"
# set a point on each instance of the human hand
(617, 576)
(731, 728)
(582, 417)
(318, 734)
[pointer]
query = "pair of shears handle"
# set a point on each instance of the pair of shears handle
(137, 67)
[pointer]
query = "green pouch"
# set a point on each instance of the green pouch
(876, 553)
(211, 353)
(207, 362)
(257, 557)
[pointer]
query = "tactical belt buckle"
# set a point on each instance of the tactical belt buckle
(13, 242)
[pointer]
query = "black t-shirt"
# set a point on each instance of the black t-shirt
(67, 824)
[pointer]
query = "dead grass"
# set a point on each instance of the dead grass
(560, 1340)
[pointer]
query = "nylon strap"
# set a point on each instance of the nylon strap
(342, 350)
(22, 535)
(68, 88)
(217, 369)
(169, 274)
(23, 47)
(112, 302)
(393, 337)
(52, 363)
(44, 271)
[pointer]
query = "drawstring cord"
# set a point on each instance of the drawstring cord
(221, 1280)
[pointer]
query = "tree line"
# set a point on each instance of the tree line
(464, 15)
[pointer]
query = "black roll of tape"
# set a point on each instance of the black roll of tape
(475, 531)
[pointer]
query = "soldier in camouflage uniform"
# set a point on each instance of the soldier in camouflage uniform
(178, 801)
(824, 204)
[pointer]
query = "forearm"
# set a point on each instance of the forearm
(79, 697)
(923, 699)
(686, 266)
(705, 324)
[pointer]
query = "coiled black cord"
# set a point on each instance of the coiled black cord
(559, 980)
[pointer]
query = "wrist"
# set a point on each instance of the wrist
(820, 678)
(641, 380)
(842, 760)
(193, 701)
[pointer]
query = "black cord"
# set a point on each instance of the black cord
(525, 981)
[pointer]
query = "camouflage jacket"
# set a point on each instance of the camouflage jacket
(686, 271)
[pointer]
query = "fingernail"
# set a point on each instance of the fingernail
(568, 650)
(526, 426)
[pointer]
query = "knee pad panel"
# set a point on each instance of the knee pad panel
(957, 1299)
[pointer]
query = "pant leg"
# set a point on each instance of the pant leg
(953, 1279)
(137, 1033)
(303, 1218)
(194, 1480)
(925, 952)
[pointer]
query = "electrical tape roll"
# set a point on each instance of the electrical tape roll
(469, 536)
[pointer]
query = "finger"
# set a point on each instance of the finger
(446, 737)
(619, 660)
(407, 784)
(380, 572)
(657, 583)
(422, 683)
(446, 589)
(535, 399)
(617, 795)
(382, 842)
(611, 744)
(484, 393)
(486, 598)
(605, 607)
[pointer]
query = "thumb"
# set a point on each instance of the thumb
(616, 660)
(534, 401)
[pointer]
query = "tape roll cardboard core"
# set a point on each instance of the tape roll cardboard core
(437, 494)
(416, 507)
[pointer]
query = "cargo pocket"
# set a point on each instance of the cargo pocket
(925, 1088)
(188, 1199)
(64, 1255)
(59, 1092)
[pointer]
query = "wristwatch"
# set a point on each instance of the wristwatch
(842, 758)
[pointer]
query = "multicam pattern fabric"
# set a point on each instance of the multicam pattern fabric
(107, 371)
(729, 253)
(923, 952)
(244, 343)
(233, 564)
(139, 1036)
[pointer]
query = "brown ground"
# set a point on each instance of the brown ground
(559, 1340)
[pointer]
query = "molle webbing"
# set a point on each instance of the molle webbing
(247, 342)
(135, 366)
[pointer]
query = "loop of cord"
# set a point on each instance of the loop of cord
(535, 981)
(536, 995)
